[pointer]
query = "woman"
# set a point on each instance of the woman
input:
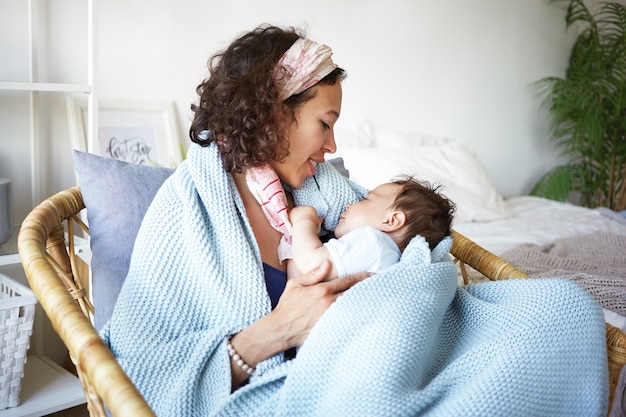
(268, 108)
(259, 112)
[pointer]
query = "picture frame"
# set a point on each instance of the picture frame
(138, 131)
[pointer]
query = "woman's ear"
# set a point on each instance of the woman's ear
(395, 220)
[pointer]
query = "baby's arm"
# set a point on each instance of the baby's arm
(307, 248)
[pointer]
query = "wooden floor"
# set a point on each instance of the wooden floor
(78, 411)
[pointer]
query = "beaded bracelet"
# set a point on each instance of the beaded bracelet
(238, 360)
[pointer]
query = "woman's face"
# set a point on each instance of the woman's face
(311, 136)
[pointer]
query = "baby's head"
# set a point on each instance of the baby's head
(403, 208)
(428, 212)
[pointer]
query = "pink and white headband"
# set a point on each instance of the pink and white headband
(306, 63)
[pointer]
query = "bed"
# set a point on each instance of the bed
(521, 229)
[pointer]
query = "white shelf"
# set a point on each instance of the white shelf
(46, 388)
(37, 86)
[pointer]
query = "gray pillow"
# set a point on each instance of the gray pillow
(117, 195)
(339, 166)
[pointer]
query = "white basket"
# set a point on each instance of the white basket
(17, 313)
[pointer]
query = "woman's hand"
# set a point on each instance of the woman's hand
(302, 304)
(306, 298)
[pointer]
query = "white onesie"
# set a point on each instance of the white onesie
(363, 249)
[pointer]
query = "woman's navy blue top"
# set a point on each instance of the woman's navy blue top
(275, 281)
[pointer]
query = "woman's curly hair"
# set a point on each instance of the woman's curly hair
(239, 101)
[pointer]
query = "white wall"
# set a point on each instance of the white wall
(453, 68)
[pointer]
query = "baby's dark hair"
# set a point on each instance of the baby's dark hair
(428, 212)
(239, 101)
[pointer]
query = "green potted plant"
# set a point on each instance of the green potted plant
(587, 110)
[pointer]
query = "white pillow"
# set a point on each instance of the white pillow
(353, 135)
(452, 164)
(388, 138)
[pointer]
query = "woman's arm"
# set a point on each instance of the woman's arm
(303, 302)
(307, 248)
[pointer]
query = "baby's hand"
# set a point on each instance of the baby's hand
(303, 213)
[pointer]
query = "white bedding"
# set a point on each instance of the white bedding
(540, 221)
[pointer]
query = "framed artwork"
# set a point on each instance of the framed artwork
(142, 132)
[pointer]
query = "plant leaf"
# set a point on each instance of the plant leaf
(555, 184)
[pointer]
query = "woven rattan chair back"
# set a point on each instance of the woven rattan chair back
(52, 267)
(46, 247)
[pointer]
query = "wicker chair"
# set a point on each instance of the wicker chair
(56, 279)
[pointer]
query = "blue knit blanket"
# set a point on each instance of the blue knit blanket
(407, 341)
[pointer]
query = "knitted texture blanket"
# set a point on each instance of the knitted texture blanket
(596, 261)
(403, 342)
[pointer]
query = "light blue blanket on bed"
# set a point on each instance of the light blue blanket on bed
(404, 342)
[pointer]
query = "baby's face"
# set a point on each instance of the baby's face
(371, 211)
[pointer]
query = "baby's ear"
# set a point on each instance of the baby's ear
(395, 220)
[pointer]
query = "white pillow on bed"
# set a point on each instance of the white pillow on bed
(387, 138)
(354, 135)
(452, 164)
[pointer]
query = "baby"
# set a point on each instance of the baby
(372, 233)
